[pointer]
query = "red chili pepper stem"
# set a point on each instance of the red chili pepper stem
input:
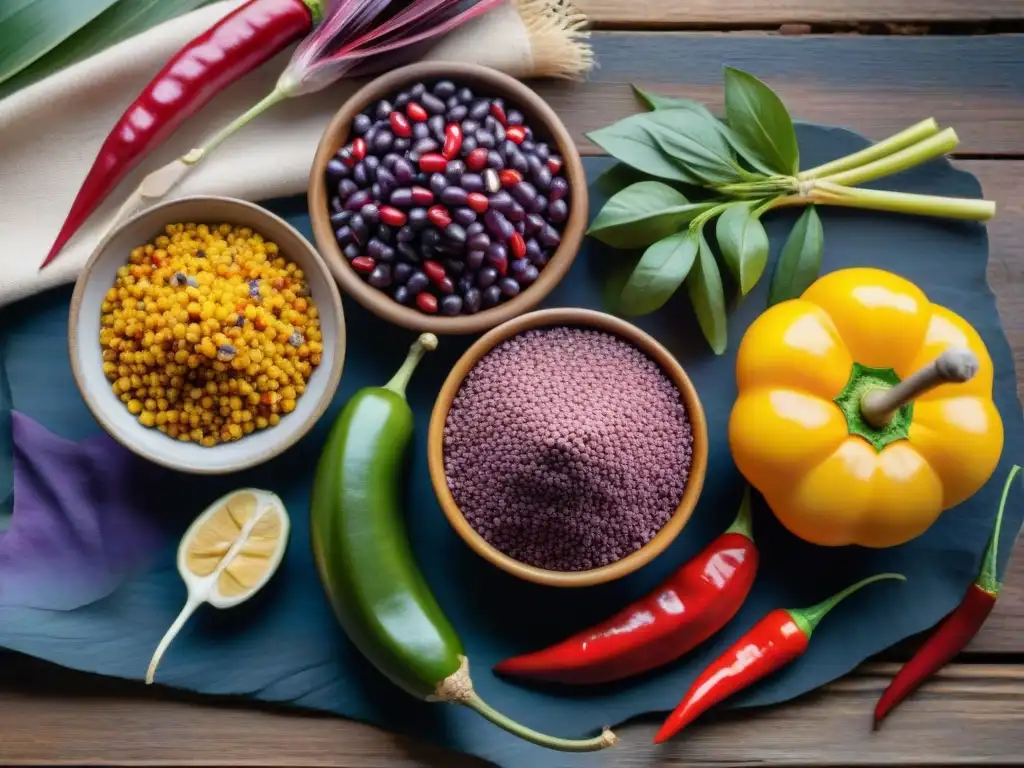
(808, 619)
(743, 523)
(956, 630)
(988, 577)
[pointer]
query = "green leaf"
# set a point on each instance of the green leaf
(122, 20)
(744, 244)
(643, 213)
(618, 177)
(800, 262)
(659, 273)
(629, 142)
(760, 119)
(31, 28)
(657, 101)
(704, 285)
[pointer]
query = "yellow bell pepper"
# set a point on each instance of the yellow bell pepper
(800, 431)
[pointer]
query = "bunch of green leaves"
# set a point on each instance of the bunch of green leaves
(41, 37)
(695, 168)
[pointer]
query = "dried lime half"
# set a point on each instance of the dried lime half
(229, 552)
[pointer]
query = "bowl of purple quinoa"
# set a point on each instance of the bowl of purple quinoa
(567, 447)
(447, 197)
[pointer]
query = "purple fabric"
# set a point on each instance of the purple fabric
(81, 519)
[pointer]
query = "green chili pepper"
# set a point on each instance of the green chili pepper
(367, 566)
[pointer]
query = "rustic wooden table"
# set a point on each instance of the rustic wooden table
(873, 65)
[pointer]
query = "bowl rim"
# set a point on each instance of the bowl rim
(378, 302)
(628, 332)
(334, 374)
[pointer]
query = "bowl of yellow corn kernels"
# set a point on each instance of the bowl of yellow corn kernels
(206, 334)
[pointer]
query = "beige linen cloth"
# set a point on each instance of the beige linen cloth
(51, 131)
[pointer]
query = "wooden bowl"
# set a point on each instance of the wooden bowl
(84, 326)
(545, 124)
(597, 321)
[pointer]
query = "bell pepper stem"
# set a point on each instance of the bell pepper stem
(807, 619)
(478, 705)
(425, 343)
(988, 578)
(955, 365)
(316, 10)
(742, 524)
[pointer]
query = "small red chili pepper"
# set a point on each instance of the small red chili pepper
(364, 264)
(517, 245)
(477, 201)
(416, 112)
(433, 163)
(422, 196)
(516, 133)
(392, 216)
(498, 113)
(772, 643)
(240, 42)
(439, 216)
(510, 177)
(476, 159)
(957, 629)
(400, 125)
(554, 163)
(433, 270)
(427, 302)
(686, 609)
(452, 140)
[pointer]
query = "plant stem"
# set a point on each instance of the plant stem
(742, 523)
(939, 144)
(971, 209)
(988, 579)
(702, 219)
(606, 739)
(809, 618)
(904, 138)
(274, 97)
(427, 342)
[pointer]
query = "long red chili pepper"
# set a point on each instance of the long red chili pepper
(237, 44)
(684, 611)
(957, 629)
(772, 643)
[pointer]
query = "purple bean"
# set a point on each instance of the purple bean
(524, 192)
(444, 89)
(464, 216)
(401, 295)
(400, 272)
(469, 143)
(472, 182)
(401, 144)
(351, 251)
(455, 232)
(527, 147)
(520, 227)
(558, 211)
(345, 188)
(384, 109)
(430, 237)
(495, 160)
(530, 276)
(485, 140)
(451, 305)
(385, 233)
(360, 231)
(479, 109)
(499, 226)
(497, 255)
(409, 252)
(469, 126)
(457, 113)
(474, 259)
(534, 223)
(401, 100)
(438, 183)
(501, 201)
(471, 301)
(491, 296)
(371, 214)
(538, 205)
(336, 204)
(362, 124)
(386, 182)
(542, 178)
(559, 188)
(390, 159)
(418, 218)
(508, 148)
(452, 101)
(477, 241)
(543, 151)
(514, 117)
(371, 135)
(454, 170)
(518, 162)
(417, 91)
(423, 146)
(402, 197)
(420, 131)
(533, 251)
(433, 104)
(464, 95)
(336, 170)
(340, 218)
(417, 282)
(383, 141)
(517, 268)
(436, 125)
(358, 199)
(405, 234)
(509, 286)
(498, 131)
(380, 277)
(343, 235)
(454, 267)
(375, 191)
(486, 277)
(516, 214)
(378, 251)
(454, 195)
(404, 172)
(549, 237)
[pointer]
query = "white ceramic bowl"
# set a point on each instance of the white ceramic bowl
(98, 276)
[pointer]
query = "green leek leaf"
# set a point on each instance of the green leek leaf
(660, 271)
(704, 285)
(120, 21)
(744, 244)
(800, 262)
(758, 116)
(643, 213)
(29, 29)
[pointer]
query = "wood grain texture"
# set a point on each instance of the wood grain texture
(737, 13)
(966, 713)
(874, 85)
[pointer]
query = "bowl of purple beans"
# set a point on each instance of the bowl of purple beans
(447, 198)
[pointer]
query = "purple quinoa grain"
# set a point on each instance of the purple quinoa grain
(567, 449)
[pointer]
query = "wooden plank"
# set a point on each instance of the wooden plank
(966, 713)
(737, 13)
(876, 85)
